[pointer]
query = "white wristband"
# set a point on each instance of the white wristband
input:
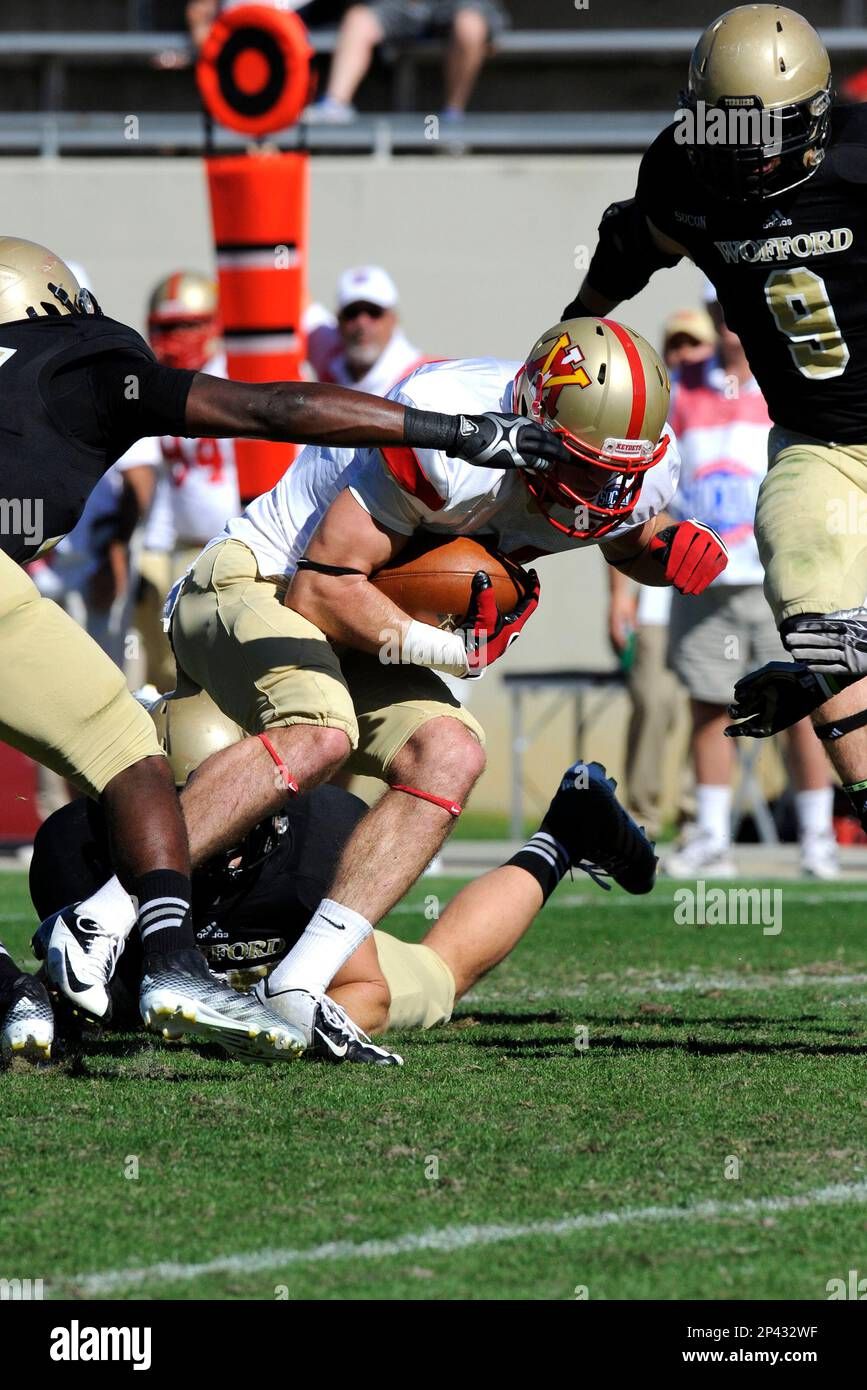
(425, 645)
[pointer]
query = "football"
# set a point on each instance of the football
(431, 579)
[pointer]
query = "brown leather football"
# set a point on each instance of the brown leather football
(431, 579)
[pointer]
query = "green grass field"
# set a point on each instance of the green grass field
(502, 1161)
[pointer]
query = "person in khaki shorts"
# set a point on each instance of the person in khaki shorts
(78, 390)
(781, 232)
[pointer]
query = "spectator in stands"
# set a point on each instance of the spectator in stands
(364, 346)
(201, 14)
(638, 627)
(722, 423)
(472, 24)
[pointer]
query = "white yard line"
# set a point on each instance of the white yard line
(454, 1238)
(634, 983)
(664, 895)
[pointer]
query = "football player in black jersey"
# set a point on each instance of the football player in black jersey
(251, 904)
(78, 390)
(775, 214)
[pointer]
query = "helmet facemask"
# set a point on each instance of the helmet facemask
(752, 171)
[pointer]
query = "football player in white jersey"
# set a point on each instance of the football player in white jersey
(197, 485)
(278, 622)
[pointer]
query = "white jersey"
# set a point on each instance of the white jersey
(327, 357)
(724, 451)
(197, 490)
(409, 489)
(79, 553)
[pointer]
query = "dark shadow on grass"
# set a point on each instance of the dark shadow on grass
(483, 1017)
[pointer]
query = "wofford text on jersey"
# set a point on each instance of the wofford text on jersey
(77, 1343)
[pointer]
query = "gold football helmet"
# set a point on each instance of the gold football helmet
(768, 59)
(183, 319)
(604, 389)
(190, 728)
(35, 283)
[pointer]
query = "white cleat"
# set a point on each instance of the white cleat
(329, 1032)
(819, 857)
(80, 960)
(27, 1021)
(179, 995)
(701, 857)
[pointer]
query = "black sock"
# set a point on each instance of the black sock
(9, 971)
(164, 917)
(545, 859)
(857, 794)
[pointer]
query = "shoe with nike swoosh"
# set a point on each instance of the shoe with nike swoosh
(80, 960)
(330, 1033)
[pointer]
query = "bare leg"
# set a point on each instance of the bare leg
(465, 57)
(156, 839)
(361, 989)
(712, 751)
(478, 929)
(396, 840)
(357, 37)
(484, 923)
(807, 758)
(236, 788)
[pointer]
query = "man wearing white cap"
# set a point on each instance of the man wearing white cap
(365, 346)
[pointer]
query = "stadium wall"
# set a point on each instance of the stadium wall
(484, 252)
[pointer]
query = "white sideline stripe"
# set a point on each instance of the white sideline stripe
(452, 1238)
(676, 984)
(662, 898)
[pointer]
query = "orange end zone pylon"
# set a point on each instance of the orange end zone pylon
(254, 76)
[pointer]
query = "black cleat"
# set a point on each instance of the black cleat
(596, 832)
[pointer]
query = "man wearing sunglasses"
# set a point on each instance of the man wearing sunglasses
(365, 346)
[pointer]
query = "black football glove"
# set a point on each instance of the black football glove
(508, 441)
(775, 697)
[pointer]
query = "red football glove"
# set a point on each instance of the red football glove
(692, 554)
(488, 631)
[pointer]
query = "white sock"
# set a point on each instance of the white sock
(327, 942)
(112, 908)
(713, 812)
(814, 810)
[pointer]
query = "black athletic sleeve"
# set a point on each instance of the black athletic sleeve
(664, 177)
(136, 397)
(110, 399)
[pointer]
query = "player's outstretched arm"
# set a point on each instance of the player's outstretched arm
(315, 413)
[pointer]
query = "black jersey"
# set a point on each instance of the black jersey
(790, 273)
(249, 906)
(76, 392)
